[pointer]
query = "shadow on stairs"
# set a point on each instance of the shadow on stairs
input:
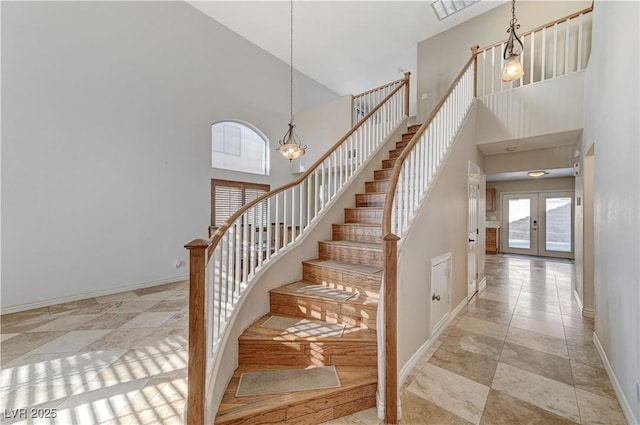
(341, 287)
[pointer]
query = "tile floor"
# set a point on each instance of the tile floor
(519, 353)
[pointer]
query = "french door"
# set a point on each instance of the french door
(538, 224)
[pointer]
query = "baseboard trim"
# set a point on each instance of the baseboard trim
(85, 295)
(483, 284)
(576, 297)
(624, 403)
(587, 312)
(413, 361)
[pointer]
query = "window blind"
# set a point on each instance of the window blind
(227, 197)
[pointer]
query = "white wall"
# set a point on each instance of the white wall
(611, 124)
(543, 108)
(441, 57)
(547, 158)
(106, 111)
(440, 226)
(320, 128)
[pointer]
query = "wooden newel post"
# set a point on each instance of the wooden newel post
(390, 252)
(197, 342)
(407, 79)
(474, 53)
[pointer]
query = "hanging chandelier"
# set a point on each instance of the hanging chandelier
(512, 51)
(290, 146)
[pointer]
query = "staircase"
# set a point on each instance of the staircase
(348, 265)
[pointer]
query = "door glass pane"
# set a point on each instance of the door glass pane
(520, 223)
(558, 216)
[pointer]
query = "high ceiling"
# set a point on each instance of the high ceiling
(348, 46)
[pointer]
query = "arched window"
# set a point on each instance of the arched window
(237, 147)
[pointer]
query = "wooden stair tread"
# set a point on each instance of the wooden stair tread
(356, 382)
(348, 267)
(356, 245)
(256, 332)
(359, 298)
(358, 224)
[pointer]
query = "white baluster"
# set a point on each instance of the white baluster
(544, 54)
(579, 59)
(277, 224)
(555, 48)
(531, 73)
(567, 26)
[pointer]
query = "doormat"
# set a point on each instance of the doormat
(286, 381)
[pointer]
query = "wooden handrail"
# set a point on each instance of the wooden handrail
(541, 27)
(384, 86)
(217, 236)
(391, 190)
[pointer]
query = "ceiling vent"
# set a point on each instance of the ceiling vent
(446, 8)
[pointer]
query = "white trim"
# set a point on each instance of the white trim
(576, 297)
(413, 361)
(624, 403)
(586, 312)
(483, 284)
(85, 295)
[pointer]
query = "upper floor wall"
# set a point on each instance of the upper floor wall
(441, 57)
(545, 114)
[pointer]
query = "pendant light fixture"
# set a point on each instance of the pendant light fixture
(512, 51)
(290, 146)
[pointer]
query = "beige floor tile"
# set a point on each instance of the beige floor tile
(108, 321)
(460, 341)
(6, 336)
(543, 392)
(574, 322)
(503, 409)
(345, 420)
(133, 306)
(368, 416)
(500, 317)
(66, 323)
(72, 341)
(119, 339)
(597, 410)
(464, 363)
(592, 379)
(482, 327)
(540, 315)
(416, 410)
(539, 362)
(148, 320)
(538, 341)
(458, 395)
(555, 330)
(585, 353)
(25, 342)
(98, 405)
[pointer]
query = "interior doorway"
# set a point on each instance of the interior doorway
(538, 223)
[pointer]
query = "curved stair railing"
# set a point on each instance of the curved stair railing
(222, 268)
(414, 170)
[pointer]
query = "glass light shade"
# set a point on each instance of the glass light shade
(512, 69)
(291, 150)
(537, 173)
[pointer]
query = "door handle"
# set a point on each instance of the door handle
(435, 297)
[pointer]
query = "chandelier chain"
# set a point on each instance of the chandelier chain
(291, 70)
